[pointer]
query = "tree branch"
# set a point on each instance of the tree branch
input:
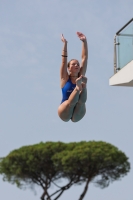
(55, 184)
(59, 194)
(85, 190)
(62, 189)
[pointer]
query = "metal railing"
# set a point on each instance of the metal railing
(123, 46)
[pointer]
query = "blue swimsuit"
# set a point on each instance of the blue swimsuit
(67, 90)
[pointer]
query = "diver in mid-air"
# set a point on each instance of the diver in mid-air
(73, 83)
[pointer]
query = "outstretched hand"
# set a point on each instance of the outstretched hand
(63, 39)
(81, 36)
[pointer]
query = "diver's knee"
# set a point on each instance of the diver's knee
(65, 119)
(74, 120)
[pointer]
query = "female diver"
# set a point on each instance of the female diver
(73, 83)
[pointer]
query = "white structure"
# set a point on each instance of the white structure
(123, 77)
(123, 57)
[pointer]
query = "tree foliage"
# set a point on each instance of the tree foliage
(82, 162)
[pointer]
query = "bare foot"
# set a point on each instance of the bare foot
(84, 81)
(79, 83)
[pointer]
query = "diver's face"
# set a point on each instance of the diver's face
(74, 66)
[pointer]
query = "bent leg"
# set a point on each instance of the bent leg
(80, 108)
(65, 110)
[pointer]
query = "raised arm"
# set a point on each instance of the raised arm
(84, 55)
(63, 69)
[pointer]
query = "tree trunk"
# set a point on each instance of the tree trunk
(85, 190)
(43, 195)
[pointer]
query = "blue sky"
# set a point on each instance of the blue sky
(30, 52)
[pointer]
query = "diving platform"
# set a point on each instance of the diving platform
(123, 77)
(123, 57)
